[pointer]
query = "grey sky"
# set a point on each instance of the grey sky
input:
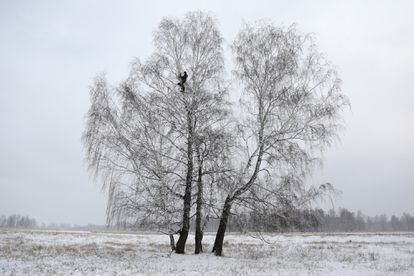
(50, 51)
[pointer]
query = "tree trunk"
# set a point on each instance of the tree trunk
(198, 240)
(218, 242)
(180, 247)
(172, 242)
(199, 230)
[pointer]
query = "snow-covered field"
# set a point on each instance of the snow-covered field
(56, 252)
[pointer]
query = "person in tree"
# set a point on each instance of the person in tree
(183, 79)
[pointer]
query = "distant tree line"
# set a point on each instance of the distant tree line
(307, 220)
(318, 220)
(17, 221)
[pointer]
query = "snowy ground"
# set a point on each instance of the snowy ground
(52, 252)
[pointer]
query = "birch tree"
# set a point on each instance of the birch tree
(141, 136)
(291, 102)
(150, 139)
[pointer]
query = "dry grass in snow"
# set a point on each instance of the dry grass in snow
(65, 252)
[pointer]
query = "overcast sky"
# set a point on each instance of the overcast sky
(51, 50)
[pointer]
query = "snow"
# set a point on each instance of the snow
(82, 252)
